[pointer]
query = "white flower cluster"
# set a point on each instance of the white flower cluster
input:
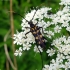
(59, 63)
(65, 2)
(62, 60)
(56, 30)
(26, 40)
(18, 52)
(63, 45)
(61, 20)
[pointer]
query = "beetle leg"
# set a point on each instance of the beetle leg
(27, 27)
(27, 33)
(42, 29)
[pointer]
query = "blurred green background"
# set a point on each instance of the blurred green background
(8, 26)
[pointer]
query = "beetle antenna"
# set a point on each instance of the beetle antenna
(34, 14)
(19, 15)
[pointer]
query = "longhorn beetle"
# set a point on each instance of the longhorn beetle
(35, 30)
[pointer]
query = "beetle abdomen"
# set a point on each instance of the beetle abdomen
(38, 36)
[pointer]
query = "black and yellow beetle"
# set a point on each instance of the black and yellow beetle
(35, 30)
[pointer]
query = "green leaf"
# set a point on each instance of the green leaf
(3, 31)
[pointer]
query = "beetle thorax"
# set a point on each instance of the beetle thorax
(31, 24)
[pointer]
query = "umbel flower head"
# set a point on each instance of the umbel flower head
(26, 40)
(56, 29)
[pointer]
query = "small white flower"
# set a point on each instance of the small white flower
(48, 24)
(67, 65)
(57, 43)
(26, 46)
(57, 29)
(66, 49)
(50, 52)
(61, 57)
(49, 34)
(18, 52)
(46, 67)
(65, 24)
(18, 38)
(62, 39)
(38, 49)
